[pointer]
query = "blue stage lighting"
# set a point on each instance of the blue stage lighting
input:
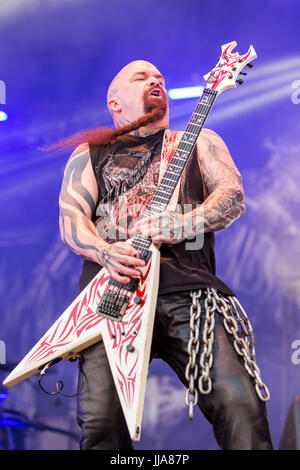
(3, 395)
(186, 92)
(3, 116)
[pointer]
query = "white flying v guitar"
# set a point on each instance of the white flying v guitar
(122, 315)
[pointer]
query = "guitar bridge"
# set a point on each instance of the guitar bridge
(112, 305)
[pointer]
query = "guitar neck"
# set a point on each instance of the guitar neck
(181, 155)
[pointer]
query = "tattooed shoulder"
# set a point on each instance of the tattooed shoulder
(216, 164)
(79, 187)
(80, 154)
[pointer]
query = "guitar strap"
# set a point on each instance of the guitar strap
(170, 142)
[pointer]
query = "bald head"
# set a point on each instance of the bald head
(138, 88)
(125, 73)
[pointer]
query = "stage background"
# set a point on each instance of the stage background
(57, 59)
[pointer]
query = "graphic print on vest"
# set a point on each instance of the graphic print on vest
(130, 178)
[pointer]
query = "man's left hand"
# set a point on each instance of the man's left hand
(165, 227)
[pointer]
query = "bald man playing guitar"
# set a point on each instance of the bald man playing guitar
(127, 170)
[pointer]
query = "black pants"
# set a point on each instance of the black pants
(238, 416)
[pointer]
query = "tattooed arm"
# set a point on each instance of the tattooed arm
(223, 193)
(77, 202)
(223, 189)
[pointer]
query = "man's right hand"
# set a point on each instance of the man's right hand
(121, 258)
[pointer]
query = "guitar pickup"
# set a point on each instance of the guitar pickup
(131, 286)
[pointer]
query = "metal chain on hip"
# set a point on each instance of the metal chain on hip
(206, 356)
(191, 371)
(237, 324)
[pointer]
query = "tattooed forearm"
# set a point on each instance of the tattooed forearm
(228, 205)
(72, 234)
(217, 212)
(77, 203)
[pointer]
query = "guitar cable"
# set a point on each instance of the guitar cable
(59, 383)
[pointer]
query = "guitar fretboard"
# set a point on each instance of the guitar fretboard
(178, 161)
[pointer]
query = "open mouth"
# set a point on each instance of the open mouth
(156, 92)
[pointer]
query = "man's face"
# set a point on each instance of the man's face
(140, 88)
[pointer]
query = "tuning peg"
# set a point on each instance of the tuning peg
(242, 73)
(250, 65)
(240, 81)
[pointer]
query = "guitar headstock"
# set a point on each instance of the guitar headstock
(225, 73)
